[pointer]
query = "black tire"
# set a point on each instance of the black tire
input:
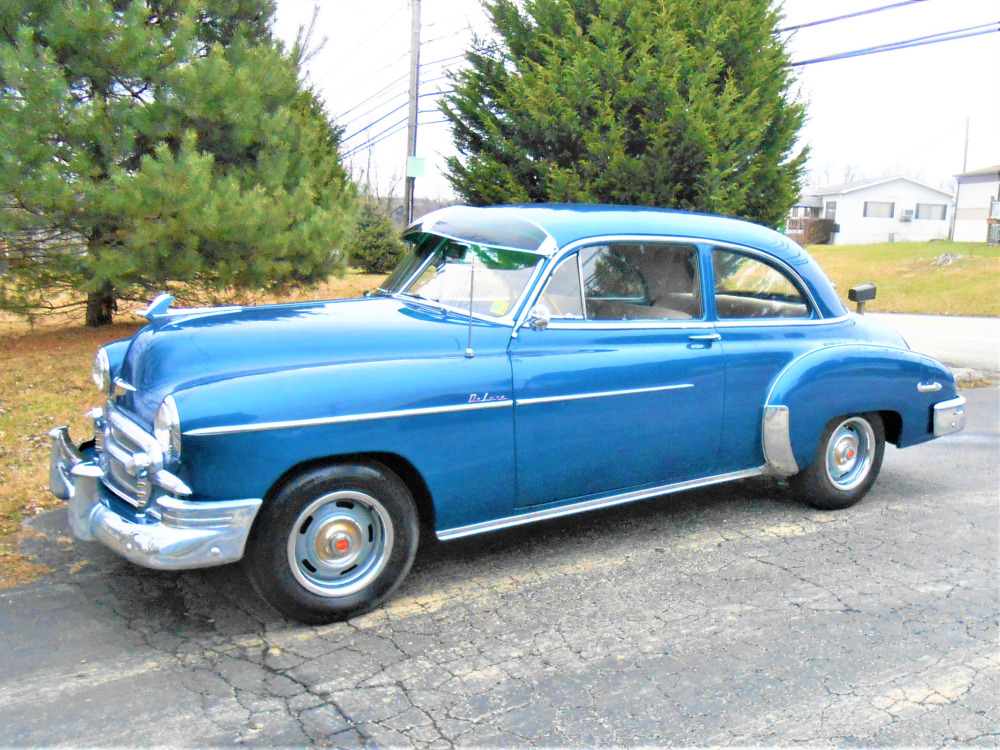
(334, 543)
(848, 460)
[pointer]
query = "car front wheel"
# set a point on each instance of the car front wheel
(847, 462)
(333, 543)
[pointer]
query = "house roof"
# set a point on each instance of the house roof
(986, 171)
(850, 187)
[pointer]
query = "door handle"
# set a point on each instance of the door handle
(705, 338)
(928, 387)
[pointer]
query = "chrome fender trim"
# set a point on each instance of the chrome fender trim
(778, 442)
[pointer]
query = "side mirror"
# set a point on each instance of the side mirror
(539, 317)
(860, 295)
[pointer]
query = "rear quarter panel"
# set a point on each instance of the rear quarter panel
(858, 377)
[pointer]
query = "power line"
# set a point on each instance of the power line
(395, 127)
(946, 36)
(847, 15)
(455, 33)
(374, 122)
(376, 72)
(388, 133)
(387, 101)
(360, 44)
(392, 112)
(395, 82)
(444, 59)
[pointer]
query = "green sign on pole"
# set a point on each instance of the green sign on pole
(415, 166)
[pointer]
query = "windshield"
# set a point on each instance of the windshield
(452, 273)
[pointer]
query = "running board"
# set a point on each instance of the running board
(606, 501)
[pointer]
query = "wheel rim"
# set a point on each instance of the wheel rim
(340, 543)
(850, 453)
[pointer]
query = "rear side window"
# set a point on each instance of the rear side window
(748, 288)
(627, 281)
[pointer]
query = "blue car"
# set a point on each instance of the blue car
(522, 363)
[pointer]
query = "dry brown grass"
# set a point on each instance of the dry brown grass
(45, 382)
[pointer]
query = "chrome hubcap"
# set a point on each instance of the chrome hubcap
(340, 543)
(849, 453)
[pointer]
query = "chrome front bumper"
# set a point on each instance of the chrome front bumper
(949, 416)
(171, 534)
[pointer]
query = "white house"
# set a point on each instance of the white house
(977, 203)
(885, 209)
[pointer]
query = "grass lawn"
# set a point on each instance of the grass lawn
(908, 280)
(45, 382)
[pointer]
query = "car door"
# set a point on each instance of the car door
(765, 319)
(623, 388)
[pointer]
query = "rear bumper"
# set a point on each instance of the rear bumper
(949, 416)
(171, 534)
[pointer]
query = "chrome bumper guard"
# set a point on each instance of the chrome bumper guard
(949, 416)
(174, 534)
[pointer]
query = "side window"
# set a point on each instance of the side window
(640, 281)
(749, 288)
(562, 294)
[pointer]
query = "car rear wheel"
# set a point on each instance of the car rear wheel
(333, 543)
(848, 460)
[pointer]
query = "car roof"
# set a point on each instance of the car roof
(547, 227)
(572, 222)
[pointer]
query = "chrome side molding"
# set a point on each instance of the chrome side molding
(596, 503)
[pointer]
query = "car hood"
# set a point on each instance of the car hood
(179, 351)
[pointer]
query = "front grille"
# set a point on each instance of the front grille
(129, 458)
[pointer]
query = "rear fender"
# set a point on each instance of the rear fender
(848, 379)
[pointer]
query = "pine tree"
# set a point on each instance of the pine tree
(144, 142)
(374, 246)
(672, 103)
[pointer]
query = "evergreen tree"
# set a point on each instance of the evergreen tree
(671, 103)
(374, 247)
(149, 141)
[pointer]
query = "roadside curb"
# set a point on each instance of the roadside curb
(965, 375)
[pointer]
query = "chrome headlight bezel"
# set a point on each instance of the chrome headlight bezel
(101, 371)
(167, 428)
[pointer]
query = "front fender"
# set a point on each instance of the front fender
(848, 379)
(451, 418)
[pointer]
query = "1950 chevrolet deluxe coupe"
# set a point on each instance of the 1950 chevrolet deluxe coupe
(522, 363)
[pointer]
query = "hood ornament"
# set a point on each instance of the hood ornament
(158, 307)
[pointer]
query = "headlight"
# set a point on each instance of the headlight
(167, 428)
(101, 374)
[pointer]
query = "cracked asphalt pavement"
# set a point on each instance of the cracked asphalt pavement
(730, 616)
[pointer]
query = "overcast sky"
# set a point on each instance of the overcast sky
(900, 112)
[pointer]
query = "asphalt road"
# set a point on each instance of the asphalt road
(957, 341)
(727, 617)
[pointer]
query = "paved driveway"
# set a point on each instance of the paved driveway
(730, 616)
(957, 341)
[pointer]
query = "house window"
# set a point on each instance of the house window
(831, 211)
(879, 209)
(932, 211)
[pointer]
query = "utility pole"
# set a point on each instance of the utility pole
(965, 157)
(411, 126)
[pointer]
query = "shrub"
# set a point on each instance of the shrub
(374, 246)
